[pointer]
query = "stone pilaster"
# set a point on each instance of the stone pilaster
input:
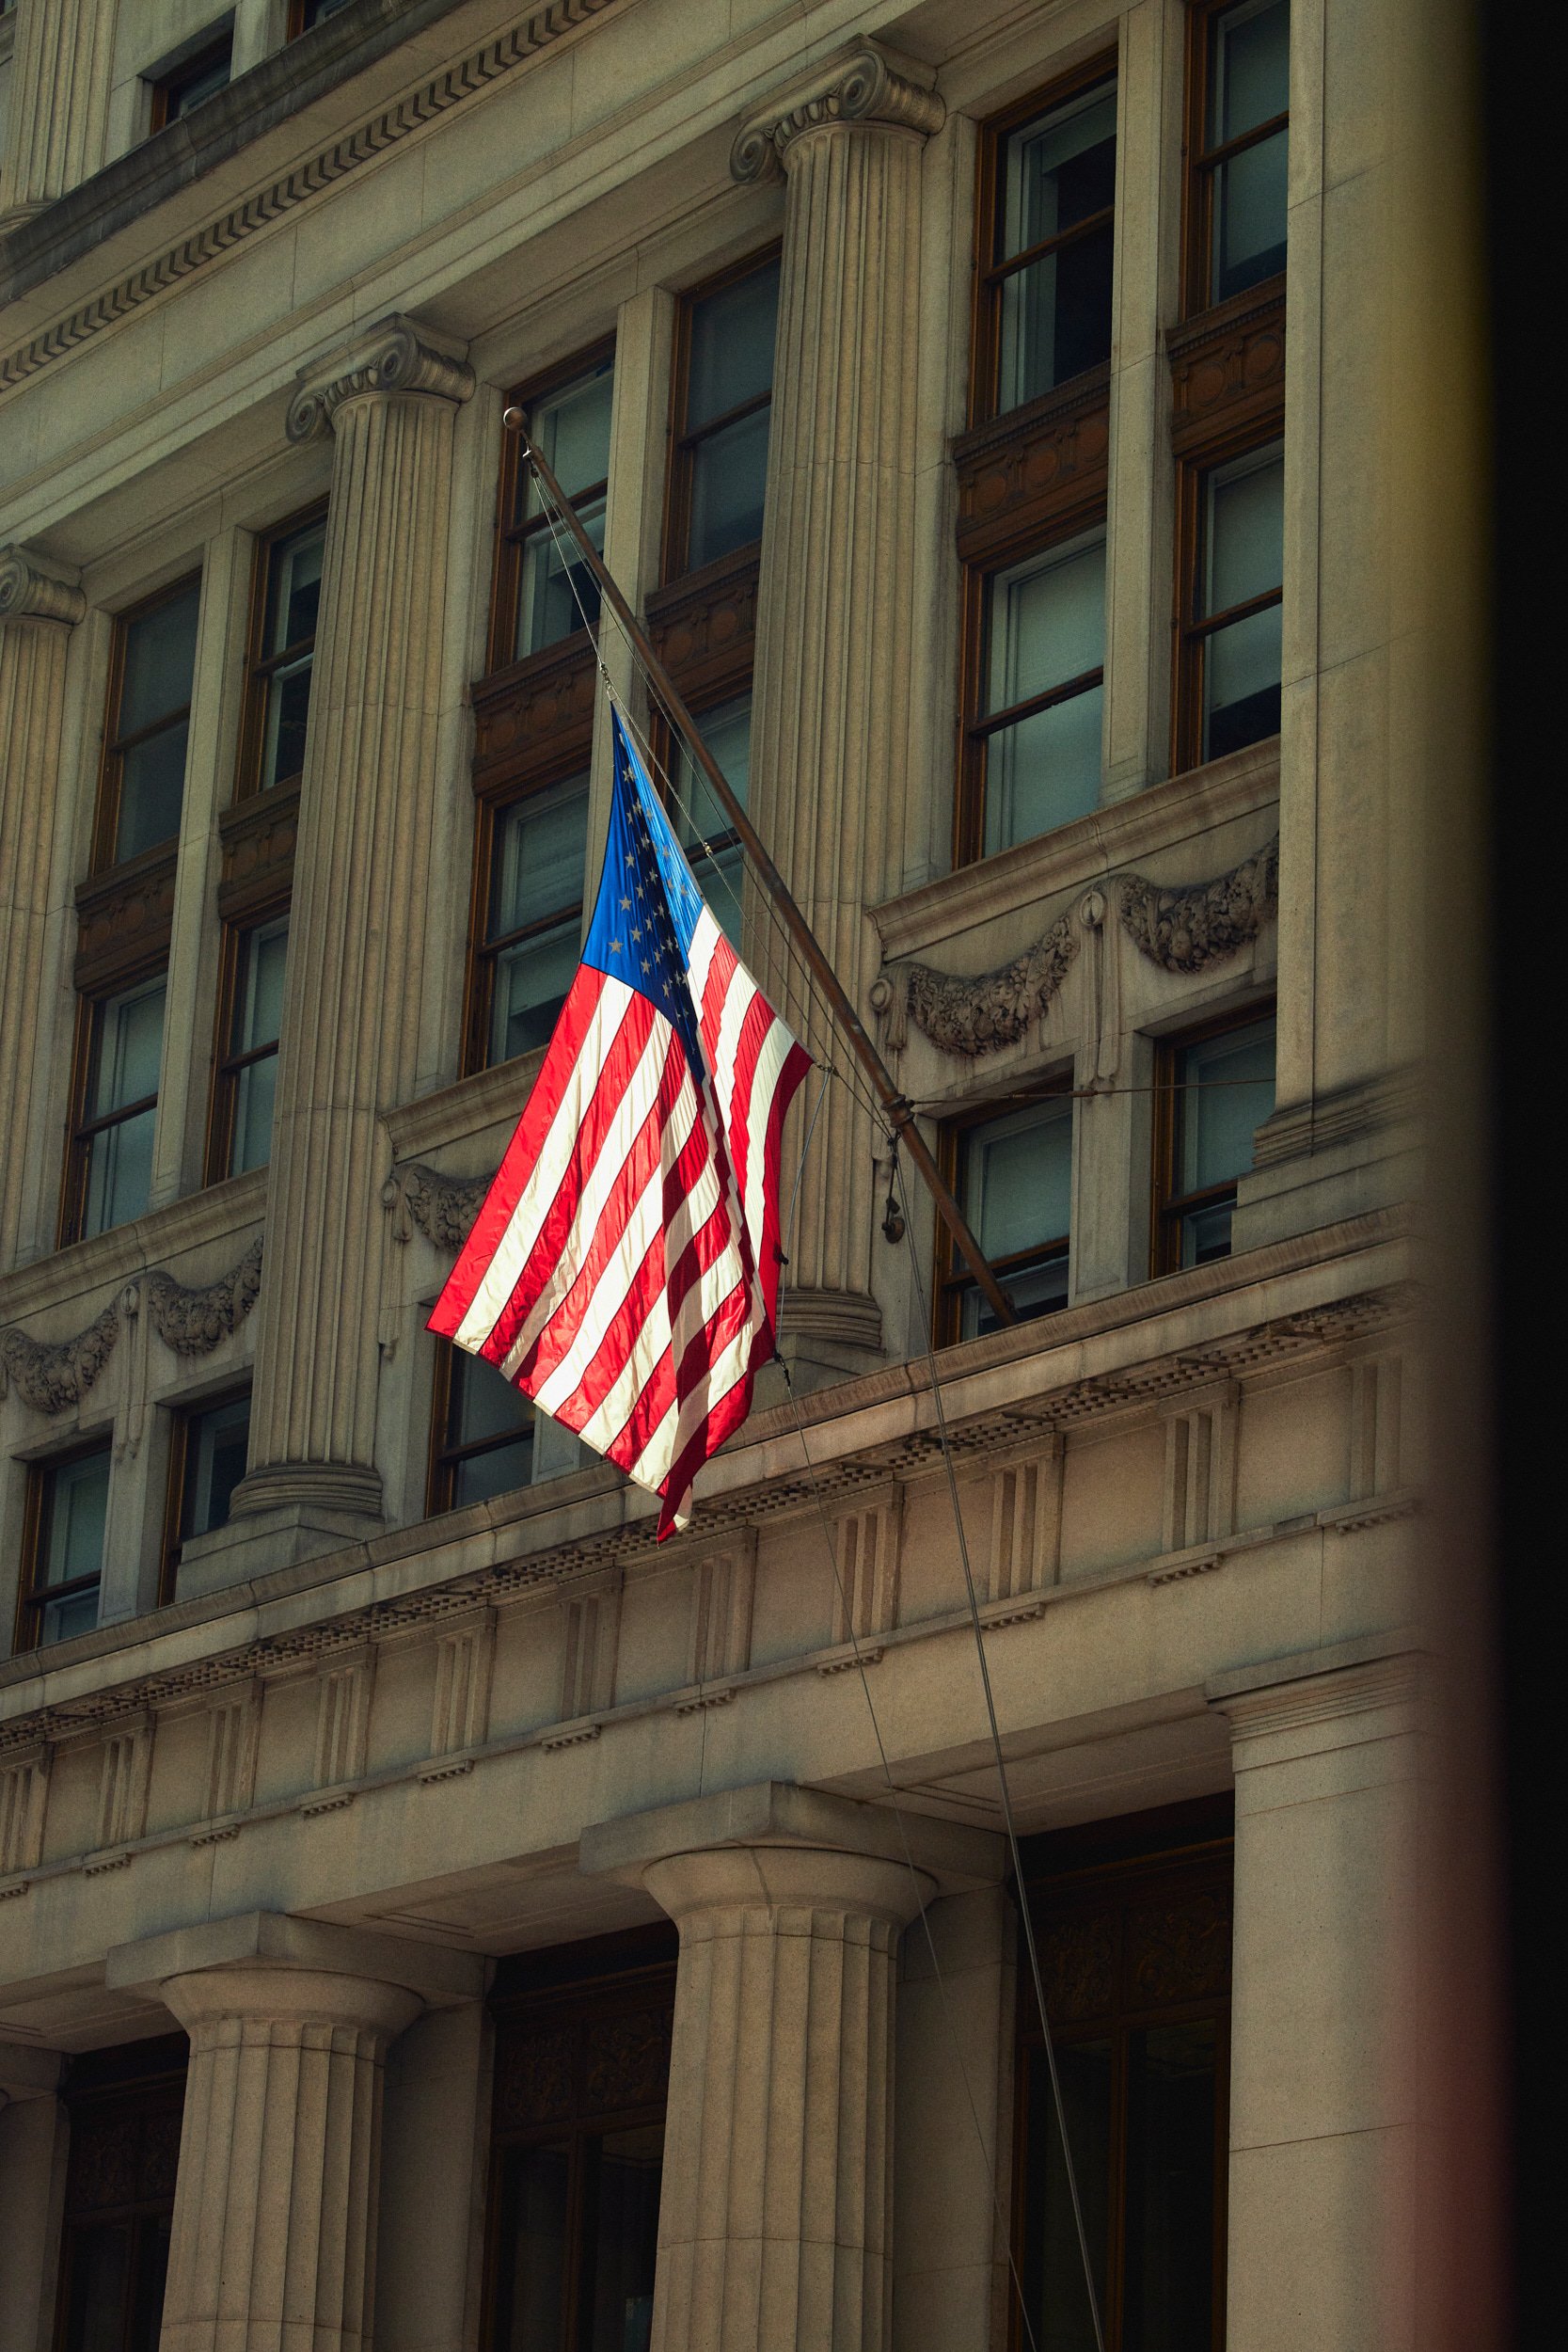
(32, 2180)
(830, 755)
(38, 607)
(775, 2217)
(348, 1047)
(59, 100)
(1323, 2121)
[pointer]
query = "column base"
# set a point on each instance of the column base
(826, 1336)
(267, 1539)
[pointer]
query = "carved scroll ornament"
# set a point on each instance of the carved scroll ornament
(192, 1322)
(863, 84)
(443, 1207)
(51, 1374)
(974, 1015)
(1183, 931)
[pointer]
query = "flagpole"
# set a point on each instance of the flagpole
(898, 1108)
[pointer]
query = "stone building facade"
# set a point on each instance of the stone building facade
(424, 1902)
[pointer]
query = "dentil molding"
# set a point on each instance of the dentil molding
(33, 588)
(395, 355)
(861, 84)
(192, 1321)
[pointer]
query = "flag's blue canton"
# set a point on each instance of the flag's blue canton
(648, 903)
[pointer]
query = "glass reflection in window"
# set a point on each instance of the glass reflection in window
(1055, 241)
(540, 849)
(1044, 692)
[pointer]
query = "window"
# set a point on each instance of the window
(1231, 636)
(485, 1432)
(149, 706)
(284, 608)
(1035, 746)
(535, 850)
(109, 1173)
(187, 85)
(1047, 197)
(582, 2062)
(542, 594)
(705, 832)
(1134, 1953)
(1241, 94)
(304, 14)
(724, 392)
(125, 2107)
(67, 1514)
(251, 1014)
(1013, 1179)
(1214, 1092)
(207, 1461)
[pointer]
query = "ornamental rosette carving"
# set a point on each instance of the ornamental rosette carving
(1185, 929)
(443, 1207)
(192, 1321)
(863, 84)
(38, 591)
(51, 1374)
(975, 1015)
(395, 355)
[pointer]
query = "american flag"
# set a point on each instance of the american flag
(624, 1268)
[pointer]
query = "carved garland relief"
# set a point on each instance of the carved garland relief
(51, 1374)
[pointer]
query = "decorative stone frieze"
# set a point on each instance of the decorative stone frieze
(343, 1687)
(1227, 365)
(124, 1775)
(124, 918)
(460, 1713)
(258, 838)
(443, 1207)
(194, 1321)
(974, 1015)
(865, 1585)
(51, 1374)
(1199, 1504)
(1025, 1531)
(1185, 929)
(396, 355)
(23, 1796)
(863, 84)
(535, 701)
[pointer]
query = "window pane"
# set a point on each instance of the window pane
(1170, 2189)
(727, 732)
(160, 660)
(98, 2262)
(620, 2263)
(215, 1444)
(559, 592)
(1241, 684)
(254, 1098)
(730, 351)
(1228, 1092)
(484, 1402)
(77, 1505)
(151, 788)
(288, 708)
(154, 2232)
(571, 430)
(1044, 772)
(1250, 217)
(1243, 528)
(531, 982)
(1046, 622)
(541, 850)
(259, 1016)
(1053, 2265)
(119, 1173)
(130, 1042)
(1205, 1234)
(1250, 74)
(1057, 315)
(204, 83)
(293, 588)
(1249, 83)
(729, 477)
(1018, 1179)
(533, 2249)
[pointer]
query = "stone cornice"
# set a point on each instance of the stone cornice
(396, 354)
(863, 84)
(306, 180)
(34, 589)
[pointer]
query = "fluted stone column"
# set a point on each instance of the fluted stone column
(775, 2224)
(830, 729)
(349, 1044)
(273, 2240)
(59, 100)
(39, 604)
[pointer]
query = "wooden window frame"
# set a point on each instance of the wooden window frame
(31, 1598)
(1168, 1208)
(168, 85)
(297, 26)
(1179, 1850)
(81, 1130)
(953, 1283)
(174, 1486)
(479, 986)
(506, 571)
(985, 340)
(260, 666)
(676, 537)
(224, 1092)
(445, 1454)
(111, 767)
(608, 1978)
(1204, 163)
(1191, 630)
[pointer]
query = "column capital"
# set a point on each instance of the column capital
(252, 1944)
(33, 587)
(396, 354)
(863, 84)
